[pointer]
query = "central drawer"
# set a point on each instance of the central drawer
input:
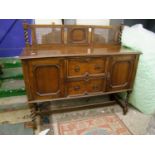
(82, 87)
(79, 67)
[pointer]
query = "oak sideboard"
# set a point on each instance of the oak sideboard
(74, 61)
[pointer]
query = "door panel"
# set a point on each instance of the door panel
(47, 78)
(120, 72)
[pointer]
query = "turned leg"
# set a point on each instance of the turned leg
(123, 102)
(33, 109)
(125, 109)
(46, 122)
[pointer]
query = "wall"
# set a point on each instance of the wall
(48, 21)
(93, 21)
(116, 21)
(78, 21)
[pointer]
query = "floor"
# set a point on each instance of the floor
(14, 114)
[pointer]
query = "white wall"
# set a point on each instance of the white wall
(78, 21)
(47, 21)
(93, 21)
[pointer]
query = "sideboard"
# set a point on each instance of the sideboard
(73, 61)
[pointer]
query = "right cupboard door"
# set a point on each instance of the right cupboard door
(120, 72)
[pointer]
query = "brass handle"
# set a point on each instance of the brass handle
(77, 69)
(85, 93)
(77, 88)
(87, 60)
(97, 67)
(86, 76)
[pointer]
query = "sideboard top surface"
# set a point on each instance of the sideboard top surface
(70, 51)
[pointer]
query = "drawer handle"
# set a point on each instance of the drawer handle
(86, 76)
(77, 69)
(77, 88)
(85, 93)
(97, 67)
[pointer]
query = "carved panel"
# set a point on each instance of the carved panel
(47, 81)
(46, 78)
(120, 72)
(77, 35)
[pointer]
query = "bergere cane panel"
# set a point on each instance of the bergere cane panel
(47, 35)
(107, 35)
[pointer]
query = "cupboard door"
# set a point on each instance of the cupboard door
(47, 78)
(120, 72)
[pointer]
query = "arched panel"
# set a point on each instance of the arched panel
(47, 79)
(120, 72)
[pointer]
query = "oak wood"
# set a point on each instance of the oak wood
(84, 63)
(46, 78)
(76, 34)
(76, 97)
(120, 73)
(75, 51)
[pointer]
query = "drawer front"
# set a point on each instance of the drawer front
(86, 87)
(76, 88)
(79, 67)
(96, 85)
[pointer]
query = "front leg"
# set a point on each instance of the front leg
(33, 109)
(123, 102)
(126, 102)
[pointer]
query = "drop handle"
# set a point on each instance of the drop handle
(85, 93)
(77, 69)
(77, 88)
(97, 67)
(86, 76)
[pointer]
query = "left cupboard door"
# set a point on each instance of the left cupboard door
(46, 78)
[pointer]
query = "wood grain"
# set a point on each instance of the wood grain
(76, 62)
